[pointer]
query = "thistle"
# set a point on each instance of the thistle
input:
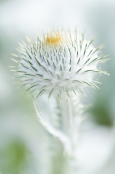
(60, 64)
(58, 61)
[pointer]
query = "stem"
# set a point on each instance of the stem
(68, 114)
(65, 136)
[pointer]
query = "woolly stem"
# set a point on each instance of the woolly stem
(65, 137)
(56, 133)
(68, 126)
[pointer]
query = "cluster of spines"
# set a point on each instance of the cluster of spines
(36, 47)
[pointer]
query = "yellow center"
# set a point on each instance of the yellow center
(53, 39)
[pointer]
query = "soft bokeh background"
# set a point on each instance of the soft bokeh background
(21, 143)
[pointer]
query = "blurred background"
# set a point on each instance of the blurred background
(21, 144)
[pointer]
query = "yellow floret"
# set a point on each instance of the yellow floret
(53, 39)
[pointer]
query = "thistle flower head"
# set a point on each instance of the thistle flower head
(58, 61)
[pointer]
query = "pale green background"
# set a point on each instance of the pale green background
(21, 144)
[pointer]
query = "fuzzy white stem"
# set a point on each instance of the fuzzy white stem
(68, 111)
(62, 137)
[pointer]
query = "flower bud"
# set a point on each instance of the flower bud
(58, 61)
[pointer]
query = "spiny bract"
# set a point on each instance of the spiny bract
(58, 61)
